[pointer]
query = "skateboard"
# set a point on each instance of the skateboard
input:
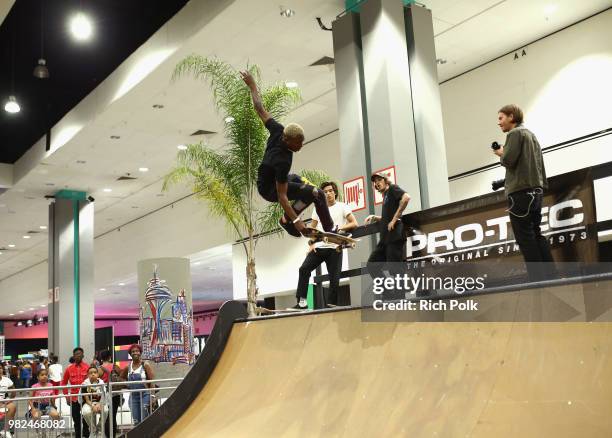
(287, 224)
(327, 237)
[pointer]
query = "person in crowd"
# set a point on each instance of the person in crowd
(320, 252)
(525, 183)
(94, 408)
(44, 406)
(76, 374)
(111, 372)
(135, 372)
(35, 367)
(56, 370)
(392, 239)
(25, 374)
(6, 403)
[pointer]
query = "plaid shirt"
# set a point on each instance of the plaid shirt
(76, 375)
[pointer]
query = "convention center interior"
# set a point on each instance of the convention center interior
(305, 218)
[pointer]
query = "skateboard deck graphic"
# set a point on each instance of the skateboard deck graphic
(327, 237)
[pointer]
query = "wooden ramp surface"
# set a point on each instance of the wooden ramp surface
(331, 374)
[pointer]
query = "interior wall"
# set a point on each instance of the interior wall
(563, 86)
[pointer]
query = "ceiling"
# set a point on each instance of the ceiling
(76, 68)
(468, 33)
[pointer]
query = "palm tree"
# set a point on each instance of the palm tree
(226, 178)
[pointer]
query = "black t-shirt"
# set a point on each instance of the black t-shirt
(277, 158)
(390, 205)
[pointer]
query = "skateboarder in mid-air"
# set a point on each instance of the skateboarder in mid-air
(274, 182)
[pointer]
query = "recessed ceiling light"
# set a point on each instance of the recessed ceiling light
(121, 284)
(11, 314)
(102, 289)
(182, 147)
(43, 305)
(31, 308)
(26, 237)
(291, 84)
(11, 245)
(81, 27)
(550, 9)
(43, 227)
(143, 169)
(107, 190)
(229, 119)
(196, 263)
(21, 311)
(0, 253)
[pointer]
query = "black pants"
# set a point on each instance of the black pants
(314, 259)
(116, 402)
(297, 189)
(391, 252)
(75, 410)
(525, 209)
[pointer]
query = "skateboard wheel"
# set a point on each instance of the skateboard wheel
(353, 245)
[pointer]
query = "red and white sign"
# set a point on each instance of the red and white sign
(390, 172)
(354, 193)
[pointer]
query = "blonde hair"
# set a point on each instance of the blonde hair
(294, 131)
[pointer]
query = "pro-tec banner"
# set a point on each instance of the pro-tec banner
(479, 229)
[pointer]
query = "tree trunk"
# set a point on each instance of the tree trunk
(251, 280)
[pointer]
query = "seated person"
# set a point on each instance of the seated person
(44, 406)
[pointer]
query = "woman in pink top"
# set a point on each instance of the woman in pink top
(43, 406)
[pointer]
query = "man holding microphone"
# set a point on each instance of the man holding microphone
(525, 183)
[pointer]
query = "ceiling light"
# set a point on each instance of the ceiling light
(11, 245)
(182, 147)
(43, 227)
(21, 311)
(196, 263)
(291, 84)
(81, 27)
(143, 169)
(229, 119)
(43, 305)
(121, 284)
(12, 106)
(11, 314)
(26, 237)
(107, 190)
(550, 9)
(31, 308)
(102, 289)
(41, 71)
(286, 12)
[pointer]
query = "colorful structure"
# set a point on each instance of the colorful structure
(166, 333)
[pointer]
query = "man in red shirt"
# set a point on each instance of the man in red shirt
(75, 374)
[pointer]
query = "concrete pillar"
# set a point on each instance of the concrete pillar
(71, 297)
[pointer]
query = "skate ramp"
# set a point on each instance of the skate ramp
(330, 374)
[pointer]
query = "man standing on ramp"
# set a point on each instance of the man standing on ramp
(392, 240)
(320, 252)
(274, 182)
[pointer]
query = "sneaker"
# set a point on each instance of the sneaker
(331, 306)
(301, 305)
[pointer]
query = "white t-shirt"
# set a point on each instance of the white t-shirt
(5, 383)
(338, 212)
(55, 372)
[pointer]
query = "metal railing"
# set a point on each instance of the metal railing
(122, 407)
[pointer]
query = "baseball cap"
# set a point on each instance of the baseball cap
(379, 175)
